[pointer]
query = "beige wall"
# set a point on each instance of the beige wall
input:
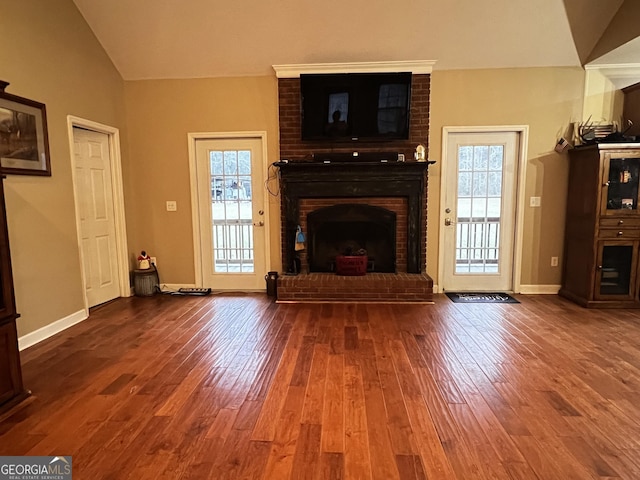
(160, 114)
(545, 99)
(48, 54)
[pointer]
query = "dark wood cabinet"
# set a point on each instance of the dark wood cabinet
(602, 231)
(632, 110)
(11, 388)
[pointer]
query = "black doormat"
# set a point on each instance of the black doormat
(481, 297)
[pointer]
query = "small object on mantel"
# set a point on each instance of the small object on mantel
(421, 153)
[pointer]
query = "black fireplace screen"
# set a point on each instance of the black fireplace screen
(348, 229)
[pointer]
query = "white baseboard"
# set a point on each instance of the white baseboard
(539, 289)
(47, 331)
(524, 289)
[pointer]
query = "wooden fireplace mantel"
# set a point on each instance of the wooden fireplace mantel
(352, 180)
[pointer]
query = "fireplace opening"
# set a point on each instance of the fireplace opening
(348, 229)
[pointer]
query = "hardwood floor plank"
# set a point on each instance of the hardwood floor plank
(429, 443)
(398, 423)
(491, 427)
(627, 467)
(331, 466)
(118, 384)
(243, 457)
(383, 465)
(222, 424)
(300, 375)
(520, 471)
(307, 457)
(184, 390)
(541, 461)
(558, 402)
(588, 457)
(500, 407)
(286, 434)
(333, 412)
(315, 393)
(565, 463)
(266, 428)
(357, 462)
(471, 437)
(410, 467)
(262, 382)
(350, 338)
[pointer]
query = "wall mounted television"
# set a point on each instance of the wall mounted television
(355, 107)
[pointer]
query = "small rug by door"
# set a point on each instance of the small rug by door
(481, 297)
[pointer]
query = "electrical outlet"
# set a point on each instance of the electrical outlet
(154, 261)
(554, 261)
(172, 206)
(534, 202)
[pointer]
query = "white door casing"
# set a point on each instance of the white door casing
(228, 204)
(481, 214)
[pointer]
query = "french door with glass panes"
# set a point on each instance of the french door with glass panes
(231, 211)
(478, 215)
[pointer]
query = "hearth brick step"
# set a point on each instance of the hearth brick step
(380, 287)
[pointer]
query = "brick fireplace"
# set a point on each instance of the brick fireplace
(397, 188)
(309, 186)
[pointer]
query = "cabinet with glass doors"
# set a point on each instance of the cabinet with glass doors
(602, 230)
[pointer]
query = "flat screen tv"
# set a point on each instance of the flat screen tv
(355, 107)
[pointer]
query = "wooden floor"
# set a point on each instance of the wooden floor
(239, 387)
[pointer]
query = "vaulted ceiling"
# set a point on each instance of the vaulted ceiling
(151, 39)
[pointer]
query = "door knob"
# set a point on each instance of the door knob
(259, 224)
(447, 221)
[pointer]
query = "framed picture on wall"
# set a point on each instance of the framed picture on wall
(24, 143)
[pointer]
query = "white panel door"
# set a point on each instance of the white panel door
(479, 211)
(230, 183)
(97, 224)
